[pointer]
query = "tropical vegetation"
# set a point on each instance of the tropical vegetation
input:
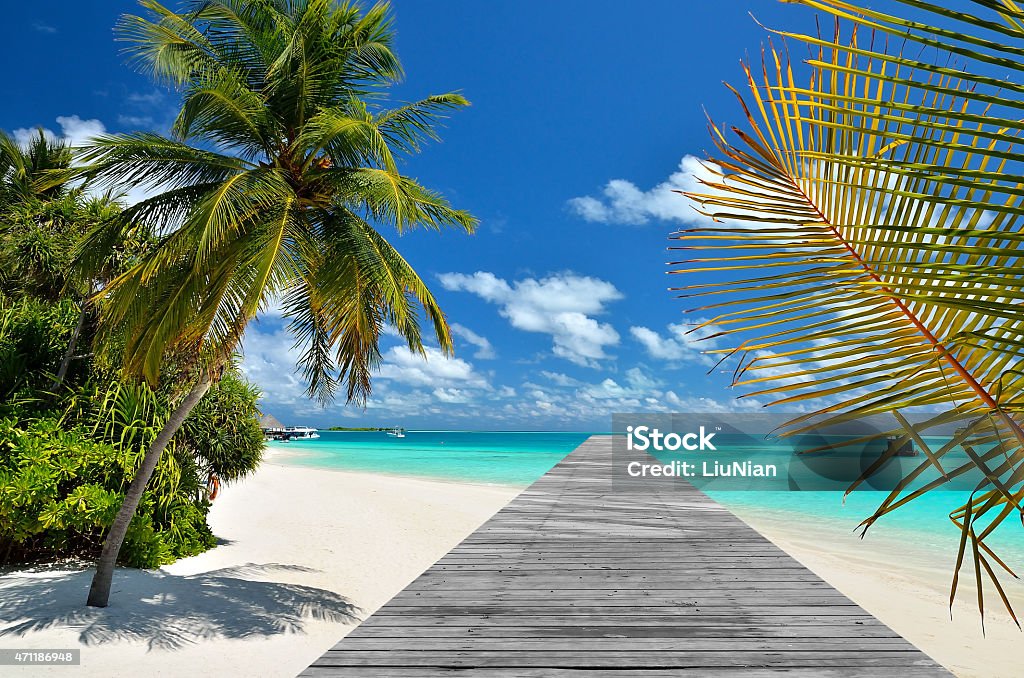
(279, 170)
(865, 248)
(72, 428)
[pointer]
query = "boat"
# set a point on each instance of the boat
(397, 432)
(300, 433)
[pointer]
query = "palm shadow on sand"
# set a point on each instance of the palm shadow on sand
(168, 611)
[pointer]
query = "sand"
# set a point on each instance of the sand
(907, 587)
(306, 555)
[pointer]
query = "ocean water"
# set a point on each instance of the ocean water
(497, 457)
(519, 458)
(922, 525)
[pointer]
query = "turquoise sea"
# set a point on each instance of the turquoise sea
(519, 458)
(498, 457)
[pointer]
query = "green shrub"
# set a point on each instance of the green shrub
(60, 490)
(223, 431)
(33, 338)
(67, 454)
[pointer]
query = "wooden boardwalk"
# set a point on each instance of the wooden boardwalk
(572, 579)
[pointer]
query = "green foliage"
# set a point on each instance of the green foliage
(60, 489)
(224, 429)
(38, 170)
(33, 337)
(68, 453)
(278, 173)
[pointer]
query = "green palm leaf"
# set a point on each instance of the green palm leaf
(274, 184)
(866, 251)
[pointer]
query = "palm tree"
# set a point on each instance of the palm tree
(868, 243)
(36, 206)
(43, 214)
(39, 169)
(272, 186)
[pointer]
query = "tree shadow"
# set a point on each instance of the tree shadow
(168, 611)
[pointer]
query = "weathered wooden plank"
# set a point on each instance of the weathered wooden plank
(647, 672)
(583, 612)
(638, 659)
(573, 578)
(592, 630)
(632, 644)
(388, 619)
(605, 598)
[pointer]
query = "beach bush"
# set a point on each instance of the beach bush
(64, 475)
(33, 337)
(224, 429)
(60, 489)
(68, 451)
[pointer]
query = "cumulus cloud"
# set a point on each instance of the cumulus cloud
(269, 360)
(560, 305)
(681, 343)
(623, 202)
(434, 370)
(636, 391)
(560, 379)
(76, 131)
(484, 349)
(453, 395)
(637, 378)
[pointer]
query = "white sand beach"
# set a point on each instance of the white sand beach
(907, 587)
(306, 555)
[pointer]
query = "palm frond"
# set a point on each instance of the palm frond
(276, 165)
(876, 217)
(393, 199)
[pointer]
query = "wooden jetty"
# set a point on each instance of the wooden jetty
(573, 579)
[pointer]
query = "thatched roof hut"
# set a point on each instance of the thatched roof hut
(269, 422)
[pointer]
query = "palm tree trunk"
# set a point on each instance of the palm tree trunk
(72, 343)
(99, 592)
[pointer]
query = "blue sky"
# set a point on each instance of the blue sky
(584, 115)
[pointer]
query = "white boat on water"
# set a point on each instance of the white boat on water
(397, 432)
(300, 433)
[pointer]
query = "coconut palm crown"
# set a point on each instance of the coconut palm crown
(271, 186)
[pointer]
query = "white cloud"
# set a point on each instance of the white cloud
(269, 361)
(484, 349)
(406, 381)
(684, 342)
(453, 395)
(560, 305)
(636, 378)
(572, 399)
(434, 370)
(623, 202)
(560, 379)
(75, 132)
